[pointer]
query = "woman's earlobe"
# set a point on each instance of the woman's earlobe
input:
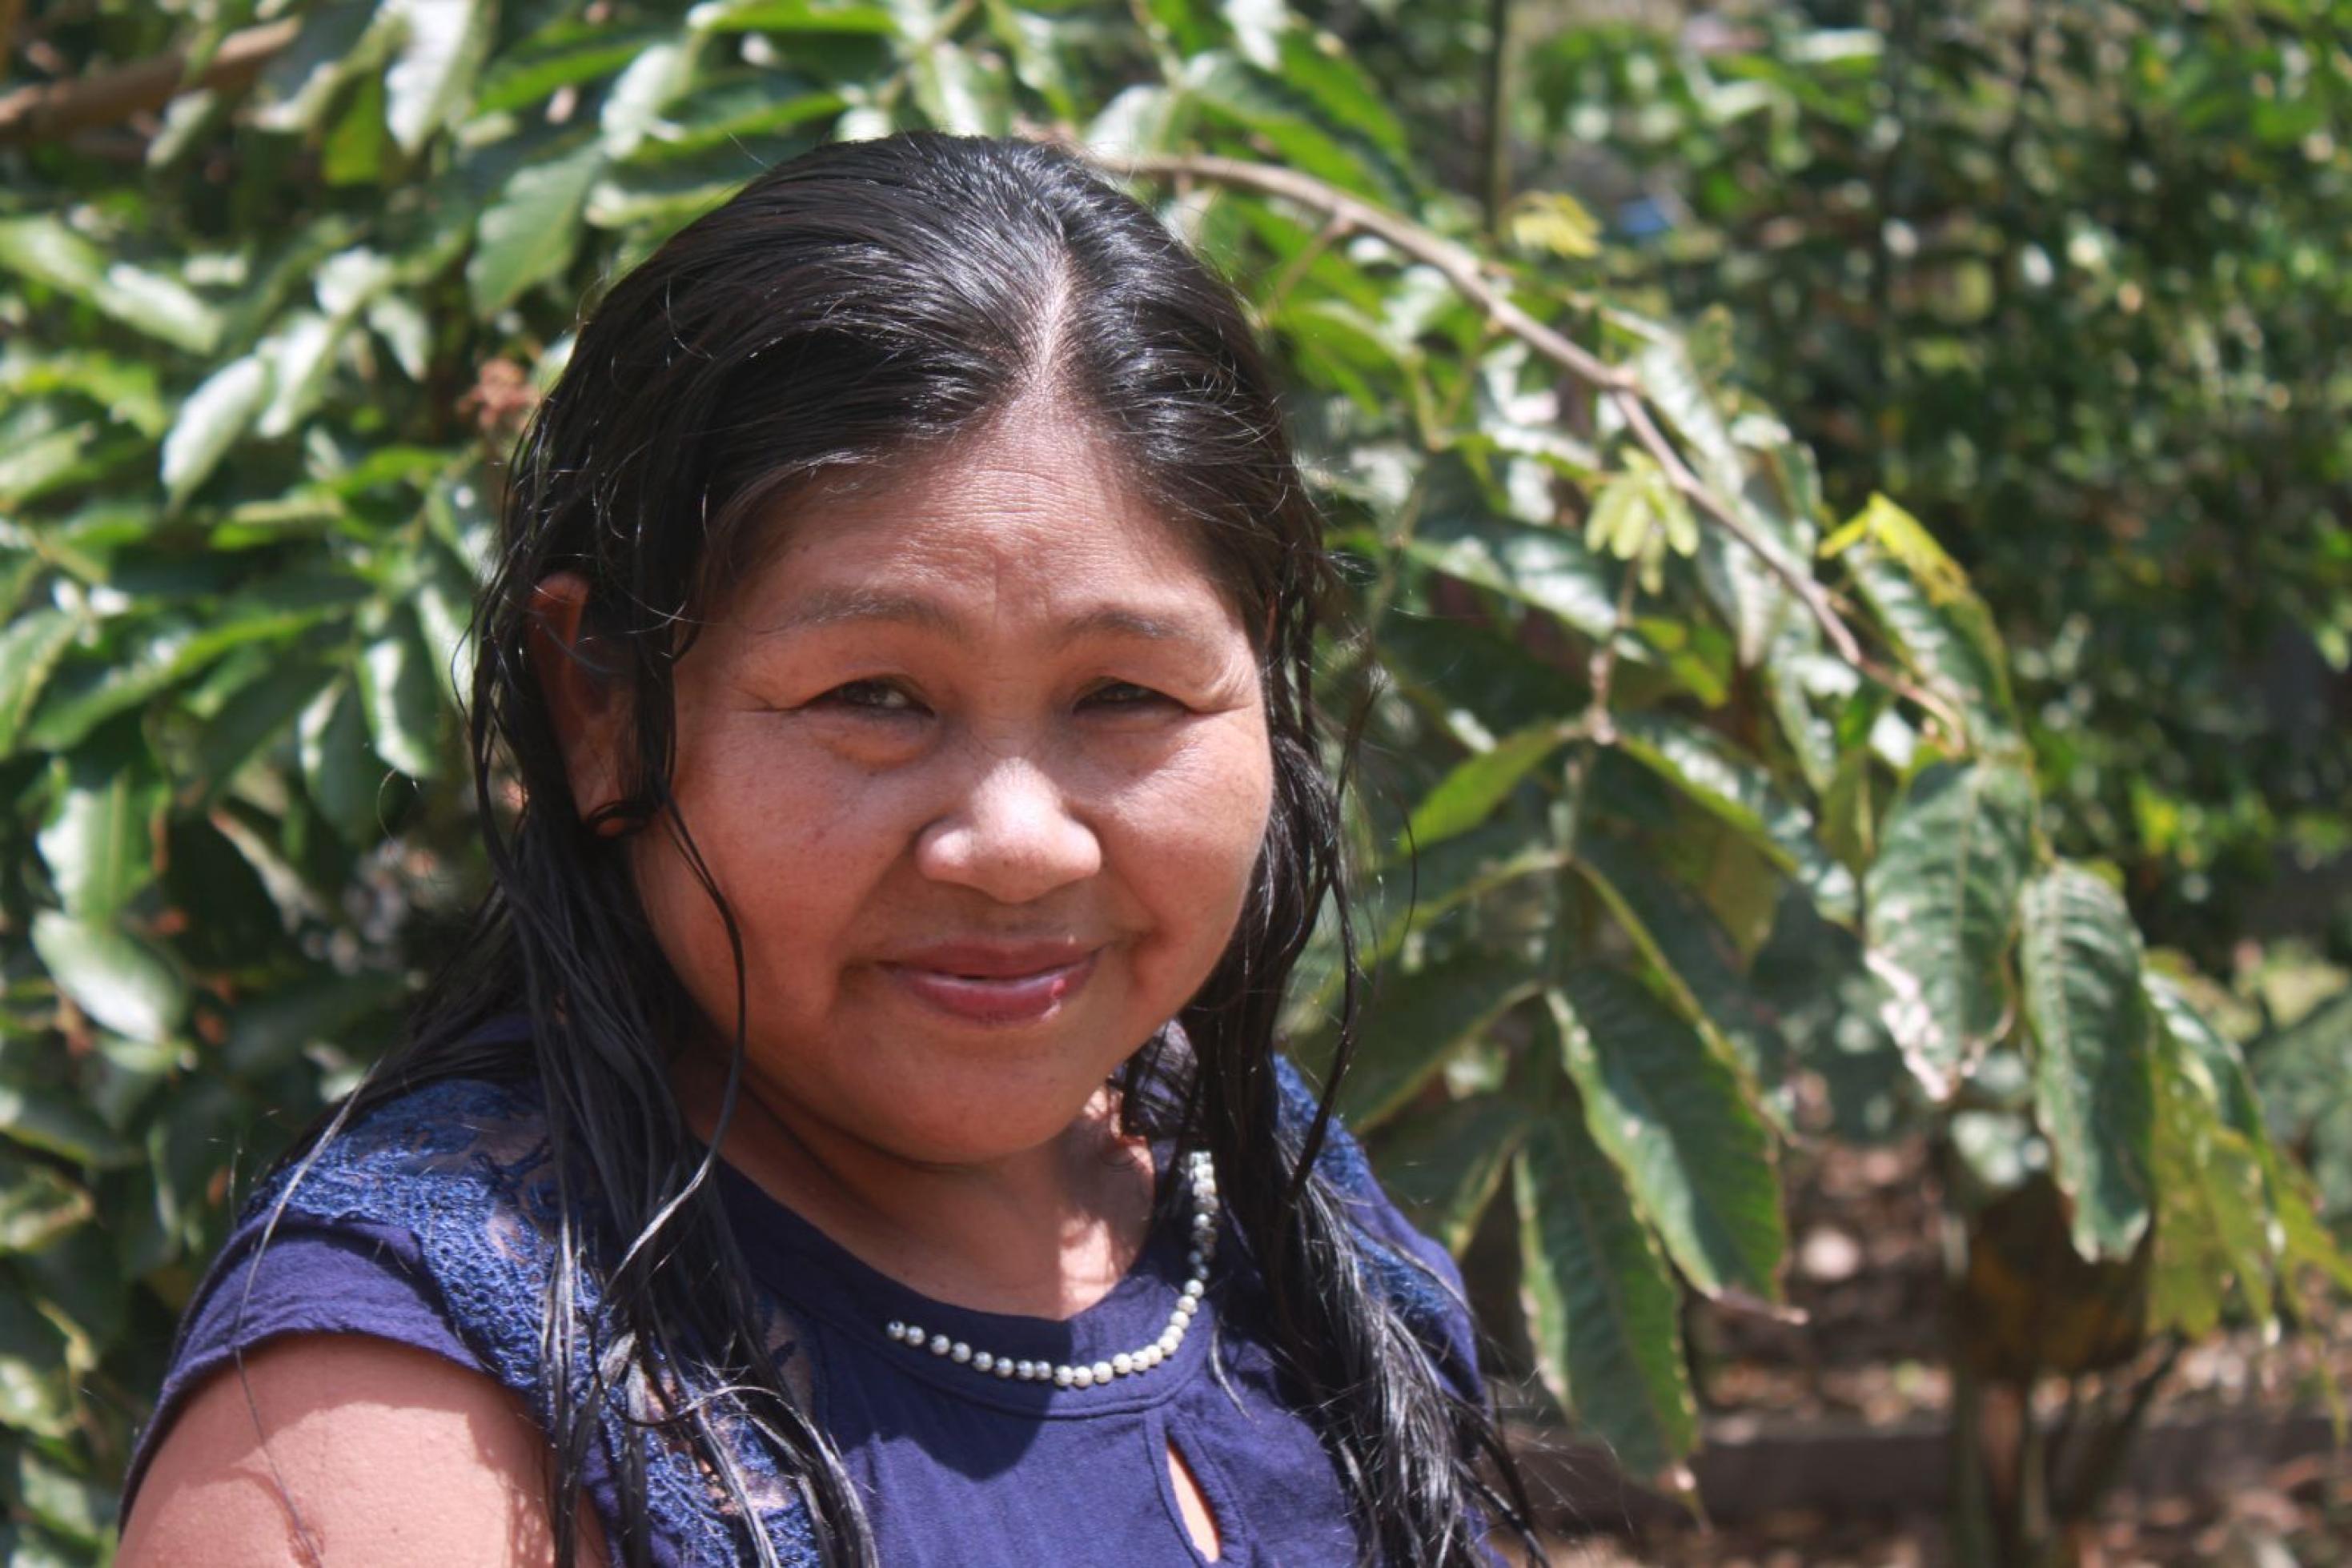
(586, 709)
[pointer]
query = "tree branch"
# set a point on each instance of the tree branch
(110, 97)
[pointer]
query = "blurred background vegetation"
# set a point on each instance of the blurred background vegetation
(1846, 502)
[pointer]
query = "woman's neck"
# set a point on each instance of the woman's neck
(1046, 1232)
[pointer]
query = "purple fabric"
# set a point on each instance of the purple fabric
(955, 1467)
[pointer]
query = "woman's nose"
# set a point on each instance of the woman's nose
(1011, 835)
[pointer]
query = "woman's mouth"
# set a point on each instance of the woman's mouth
(993, 986)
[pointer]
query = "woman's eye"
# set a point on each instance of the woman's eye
(871, 697)
(1126, 694)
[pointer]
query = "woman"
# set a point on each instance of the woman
(854, 1131)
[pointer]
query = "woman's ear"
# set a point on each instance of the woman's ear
(587, 707)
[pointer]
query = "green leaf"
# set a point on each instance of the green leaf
(213, 419)
(2093, 1093)
(958, 94)
(791, 17)
(1456, 668)
(117, 979)
(633, 103)
(1943, 631)
(272, 1028)
(2211, 1221)
(30, 648)
(1446, 1168)
(99, 839)
(44, 250)
(301, 357)
(1032, 42)
(1413, 1023)
(353, 154)
(1677, 932)
(37, 1204)
(1701, 764)
(35, 1393)
(1473, 788)
(232, 919)
(1317, 67)
(2222, 1066)
(1551, 568)
(1675, 389)
(1601, 1306)
(65, 1502)
(132, 664)
(1942, 898)
(403, 697)
(252, 719)
(1675, 1119)
(526, 76)
(442, 43)
(61, 1124)
(342, 775)
(530, 233)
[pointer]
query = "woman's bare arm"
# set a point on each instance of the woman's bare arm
(383, 1453)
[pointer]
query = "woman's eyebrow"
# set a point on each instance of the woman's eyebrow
(828, 607)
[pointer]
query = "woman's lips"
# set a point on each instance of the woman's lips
(1004, 993)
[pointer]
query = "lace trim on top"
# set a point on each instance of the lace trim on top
(464, 1166)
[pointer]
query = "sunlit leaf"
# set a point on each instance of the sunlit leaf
(1942, 899)
(529, 231)
(1675, 1119)
(114, 976)
(441, 47)
(98, 840)
(1714, 776)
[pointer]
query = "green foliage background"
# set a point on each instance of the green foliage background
(1737, 817)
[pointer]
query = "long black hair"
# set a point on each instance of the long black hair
(861, 306)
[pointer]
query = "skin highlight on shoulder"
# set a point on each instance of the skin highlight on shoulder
(383, 1454)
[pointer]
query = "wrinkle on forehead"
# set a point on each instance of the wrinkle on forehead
(1037, 443)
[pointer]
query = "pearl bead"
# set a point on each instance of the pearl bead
(1125, 1363)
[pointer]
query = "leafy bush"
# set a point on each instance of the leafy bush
(1682, 798)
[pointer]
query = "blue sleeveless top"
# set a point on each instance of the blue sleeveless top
(427, 1222)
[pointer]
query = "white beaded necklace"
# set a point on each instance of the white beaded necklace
(1127, 1362)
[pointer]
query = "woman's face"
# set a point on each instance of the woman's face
(980, 763)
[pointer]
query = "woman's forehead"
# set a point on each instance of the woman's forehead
(1037, 517)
